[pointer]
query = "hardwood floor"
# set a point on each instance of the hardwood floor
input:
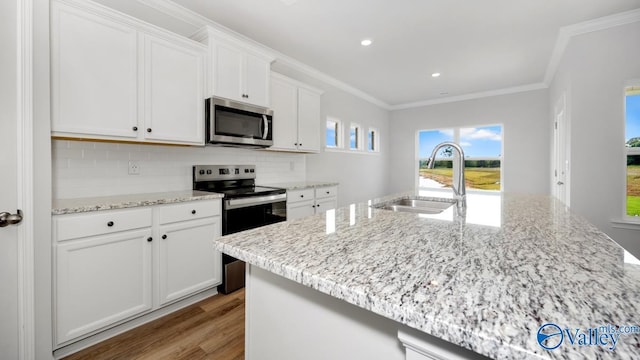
(210, 329)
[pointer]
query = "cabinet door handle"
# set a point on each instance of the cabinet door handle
(135, 128)
(164, 237)
(148, 130)
(110, 224)
(328, 192)
(149, 239)
(301, 196)
(193, 212)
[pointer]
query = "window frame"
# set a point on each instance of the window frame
(633, 87)
(456, 139)
(375, 142)
(338, 133)
(358, 141)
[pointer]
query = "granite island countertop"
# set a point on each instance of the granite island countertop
(485, 282)
(88, 204)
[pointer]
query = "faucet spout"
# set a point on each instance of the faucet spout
(459, 188)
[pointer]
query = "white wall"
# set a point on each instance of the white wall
(526, 145)
(593, 72)
(361, 176)
(87, 169)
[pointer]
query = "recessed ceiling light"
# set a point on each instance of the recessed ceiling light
(366, 42)
(435, 74)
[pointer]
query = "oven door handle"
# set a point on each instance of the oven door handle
(253, 201)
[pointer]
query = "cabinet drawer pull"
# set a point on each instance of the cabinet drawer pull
(135, 128)
(301, 195)
(110, 224)
(148, 130)
(328, 192)
(193, 212)
(164, 237)
(149, 239)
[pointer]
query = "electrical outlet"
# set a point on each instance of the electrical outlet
(134, 168)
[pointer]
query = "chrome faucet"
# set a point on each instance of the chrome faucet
(458, 181)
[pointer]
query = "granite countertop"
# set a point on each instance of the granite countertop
(485, 282)
(303, 185)
(80, 205)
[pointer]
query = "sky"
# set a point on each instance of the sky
(476, 142)
(633, 117)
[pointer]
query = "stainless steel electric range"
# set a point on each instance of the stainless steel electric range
(245, 206)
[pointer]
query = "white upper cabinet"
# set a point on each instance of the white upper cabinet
(117, 78)
(284, 102)
(309, 129)
(296, 115)
(236, 70)
(174, 100)
(94, 74)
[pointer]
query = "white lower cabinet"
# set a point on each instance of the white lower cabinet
(100, 281)
(185, 263)
(307, 202)
(113, 266)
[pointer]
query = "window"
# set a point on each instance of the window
(355, 134)
(632, 147)
(334, 133)
(483, 157)
(372, 140)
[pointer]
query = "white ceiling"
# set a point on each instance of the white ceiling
(478, 46)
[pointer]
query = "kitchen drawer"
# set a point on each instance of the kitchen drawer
(325, 192)
(75, 226)
(300, 195)
(188, 211)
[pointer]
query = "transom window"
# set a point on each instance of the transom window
(355, 134)
(334, 133)
(483, 157)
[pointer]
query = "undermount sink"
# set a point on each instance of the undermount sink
(420, 205)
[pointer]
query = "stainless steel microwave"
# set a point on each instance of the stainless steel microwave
(233, 123)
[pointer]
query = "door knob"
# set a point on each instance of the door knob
(7, 219)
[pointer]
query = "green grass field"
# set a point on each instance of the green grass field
(475, 178)
(633, 190)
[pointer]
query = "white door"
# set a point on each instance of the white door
(284, 102)
(9, 245)
(308, 120)
(560, 144)
(228, 74)
(174, 92)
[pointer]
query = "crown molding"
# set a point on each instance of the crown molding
(564, 36)
(190, 17)
(477, 95)
(567, 32)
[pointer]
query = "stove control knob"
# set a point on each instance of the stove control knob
(246, 171)
(252, 170)
(201, 172)
(208, 172)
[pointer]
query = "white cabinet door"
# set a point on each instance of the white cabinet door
(174, 92)
(94, 74)
(228, 82)
(323, 205)
(309, 130)
(300, 209)
(187, 260)
(256, 80)
(100, 281)
(284, 102)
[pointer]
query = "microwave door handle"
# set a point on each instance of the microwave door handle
(265, 126)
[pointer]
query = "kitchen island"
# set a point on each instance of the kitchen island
(361, 282)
